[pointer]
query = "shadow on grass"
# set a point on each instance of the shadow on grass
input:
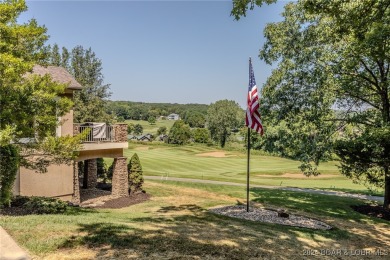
(320, 205)
(189, 230)
(353, 191)
(75, 211)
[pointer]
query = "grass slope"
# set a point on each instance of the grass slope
(185, 162)
(175, 224)
(152, 129)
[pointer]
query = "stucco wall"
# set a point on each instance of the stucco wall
(93, 154)
(67, 124)
(57, 182)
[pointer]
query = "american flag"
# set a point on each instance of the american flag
(253, 119)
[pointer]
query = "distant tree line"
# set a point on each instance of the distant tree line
(126, 110)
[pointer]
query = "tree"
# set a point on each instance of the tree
(136, 178)
(201, 135)
(195, 119)
(331, 56)
(222, 117)
(180, 133)
(65, 58)
(55, 57)
(130, 128)
(138, 129)
(27, 102)
(83, 64)
(162, 130)
(152, 120)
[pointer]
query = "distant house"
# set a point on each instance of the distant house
(173, 117)
(145, 138)
(132, 137)
(162, 138)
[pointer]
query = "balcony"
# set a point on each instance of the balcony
(102, 136)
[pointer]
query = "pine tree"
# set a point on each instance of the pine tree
(136, 178)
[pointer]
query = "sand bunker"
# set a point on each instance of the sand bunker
(213, 154)
(297, 176)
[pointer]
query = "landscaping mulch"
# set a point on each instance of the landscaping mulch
(270, 216)
(372, 211)
(125, 201)
(15, 211)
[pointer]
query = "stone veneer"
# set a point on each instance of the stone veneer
(120, 133)
(76, 184)
(91, 173)
(120, 182)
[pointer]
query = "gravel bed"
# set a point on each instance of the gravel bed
(269, 216)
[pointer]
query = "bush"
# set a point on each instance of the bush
(180, 133)
(19, 201)
(42, 205)
(135, 176)
(201, 135)
(9, 164)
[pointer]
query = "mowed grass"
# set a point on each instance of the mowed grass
(175, 224)
(152, 129)
(199, 162)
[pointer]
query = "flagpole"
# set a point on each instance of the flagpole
(248, 157)
(247, 170)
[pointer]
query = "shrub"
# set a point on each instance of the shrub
(136, 178)
(19, 201)
(9, 164)
(42, 205)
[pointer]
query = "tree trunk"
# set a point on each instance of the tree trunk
(386, 204)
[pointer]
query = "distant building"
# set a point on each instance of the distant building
(163, 137)
(145, 137)
(131, 137)
(173, 117)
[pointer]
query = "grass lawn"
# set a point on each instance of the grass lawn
(152, 129)
(200, 162)
(175, 224)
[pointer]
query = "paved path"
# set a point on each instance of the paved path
(9, 250)
(313, 191)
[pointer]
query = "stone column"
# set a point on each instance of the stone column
(120, 180)
(76, 185)
(120, 133)
(91, 173)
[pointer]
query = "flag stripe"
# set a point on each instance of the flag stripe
(253, 118)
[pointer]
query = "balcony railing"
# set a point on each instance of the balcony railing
(99, 132)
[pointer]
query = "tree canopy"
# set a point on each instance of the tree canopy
(91, 101)
(27, 102)
(332, 73)
(224, 116)
(180, 133)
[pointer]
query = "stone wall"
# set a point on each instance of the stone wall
(120, 182)
(120, 133)
(91, 173)
(76, 185)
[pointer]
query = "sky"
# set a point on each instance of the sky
(164, 51)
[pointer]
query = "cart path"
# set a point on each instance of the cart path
(312, 191)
